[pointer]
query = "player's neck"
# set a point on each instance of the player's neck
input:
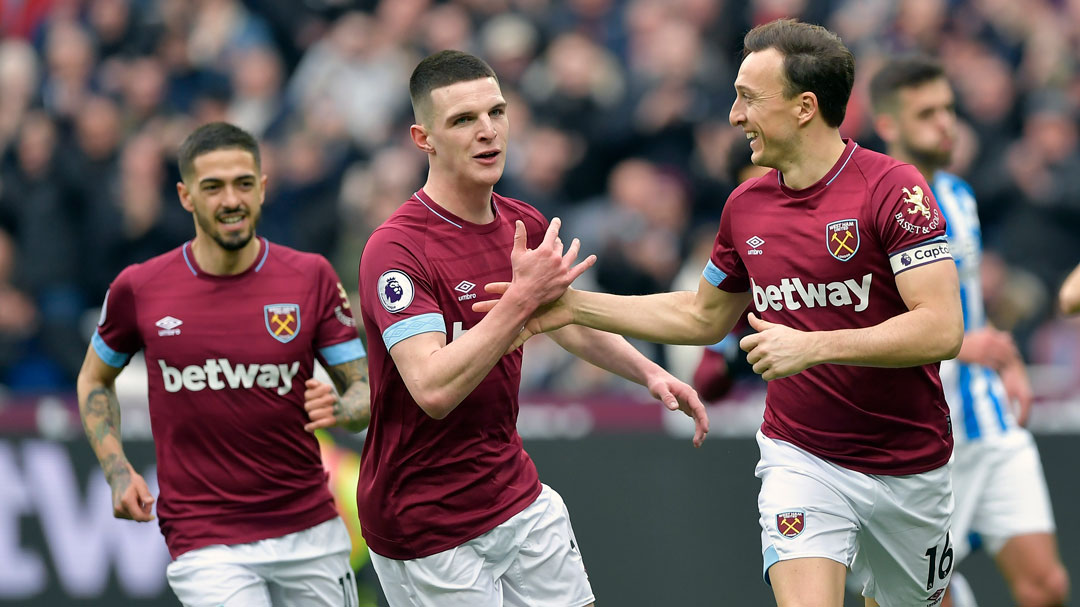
(471, 202)
(215, 260)
(815, 157)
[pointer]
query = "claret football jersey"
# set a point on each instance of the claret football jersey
(825, 258)
(226, 358)
(427, 485)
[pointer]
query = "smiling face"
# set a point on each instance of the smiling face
(225, 194)
(465, 132)
(768, 117)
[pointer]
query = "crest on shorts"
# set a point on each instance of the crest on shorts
(842, 238)
(282, 321)
(791, 523)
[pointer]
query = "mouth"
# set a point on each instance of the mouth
(488, 157)
(751, 136)
(233, 221)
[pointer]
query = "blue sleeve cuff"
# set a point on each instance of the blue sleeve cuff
(343, 352)
(107, 354)
(713, 274)
(414, 325)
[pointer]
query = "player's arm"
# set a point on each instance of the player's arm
(679, 317)
(1069, 298)
(100, 412)
(439, 375)
(931, 330)
(352, 409)
(614, 354)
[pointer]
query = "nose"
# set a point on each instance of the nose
(231, 197)
(486, 130)
(737, 115)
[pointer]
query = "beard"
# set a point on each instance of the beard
(930, 157)
(233, 241)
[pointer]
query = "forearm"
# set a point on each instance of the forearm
(100, 412)
(608, 351)
(914, 338)
(669, 318)
(353, 406)
(444, 377)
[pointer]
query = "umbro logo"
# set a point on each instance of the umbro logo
(169, 326)
(755, 243)
(464, 287)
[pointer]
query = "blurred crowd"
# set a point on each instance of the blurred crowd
(619, 118)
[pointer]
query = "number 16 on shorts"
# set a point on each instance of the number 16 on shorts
(940, 562)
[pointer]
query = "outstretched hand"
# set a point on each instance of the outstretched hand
(776, 350)
(544, 273)
(548, 317)
(678, 396)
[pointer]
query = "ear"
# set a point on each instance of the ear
(262, 190)
(419, 136)
(807, 108)
(886, 127)
(185, 197)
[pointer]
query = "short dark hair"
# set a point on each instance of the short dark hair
(443, 69)
(815, 60)
(214, 136)
(899, 73)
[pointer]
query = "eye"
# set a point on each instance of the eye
(498, 112)
(461, 120)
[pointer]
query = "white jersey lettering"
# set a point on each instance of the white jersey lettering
(277, 377)
(846, 293)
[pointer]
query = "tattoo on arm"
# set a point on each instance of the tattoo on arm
(353, 409)
(101, 420)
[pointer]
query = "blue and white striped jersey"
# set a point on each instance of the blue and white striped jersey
(979, 407)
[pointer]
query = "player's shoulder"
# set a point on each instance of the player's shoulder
(408, 221)
(875, 165)
(513, 208)
(766, 184)
(160, 267)
(885, 175)
(302, 262)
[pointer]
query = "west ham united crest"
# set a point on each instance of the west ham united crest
(842, 238)
(791, 523)
(282, 321)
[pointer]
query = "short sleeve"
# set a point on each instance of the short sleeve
(909, 223)
(725, 269)
(336, 339)
(396, 283)
(117, 336)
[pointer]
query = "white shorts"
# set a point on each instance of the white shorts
(309, 567)
(1000, 492)
(531, 560)
(891, 531)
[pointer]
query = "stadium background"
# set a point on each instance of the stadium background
(619, 125)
